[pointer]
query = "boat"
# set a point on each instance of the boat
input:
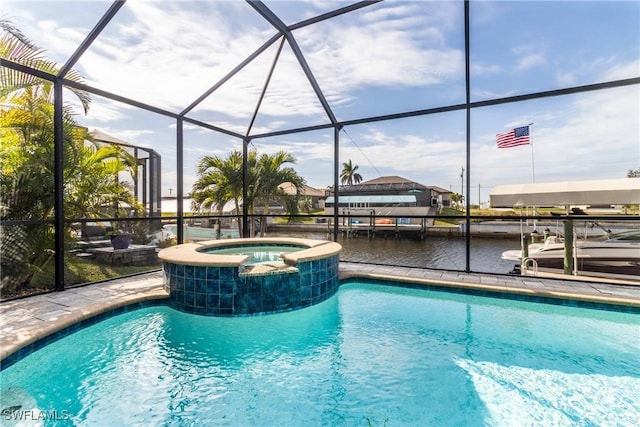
(617, 254)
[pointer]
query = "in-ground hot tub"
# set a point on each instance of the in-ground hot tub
(240, 277)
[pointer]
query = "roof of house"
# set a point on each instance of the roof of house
(439, 189)
(389, 183)
(386, 180)
(288, 188)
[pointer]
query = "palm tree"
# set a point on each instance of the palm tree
(26, 162)
(305, 204)
(16, 47)
(26, 126)
(270, 174)
(349, 175)
(458, 199)
(94, 182)
(220, 181)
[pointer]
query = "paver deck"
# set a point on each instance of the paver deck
(24, 321)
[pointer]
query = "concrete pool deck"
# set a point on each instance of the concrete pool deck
(26, 320)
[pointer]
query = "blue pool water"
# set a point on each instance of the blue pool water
(258, 254)
(370, 355)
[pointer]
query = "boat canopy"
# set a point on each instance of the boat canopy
(625, 191)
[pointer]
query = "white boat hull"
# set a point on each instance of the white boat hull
(616, 256)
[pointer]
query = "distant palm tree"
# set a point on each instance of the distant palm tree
(349, 175)
(457, 199)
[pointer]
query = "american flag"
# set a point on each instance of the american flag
(513, 138)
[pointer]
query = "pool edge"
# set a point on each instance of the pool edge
(497, 290)
(69, 320)
(154, 291)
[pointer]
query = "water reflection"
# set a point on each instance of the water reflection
(433, 252)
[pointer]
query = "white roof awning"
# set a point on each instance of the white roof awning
(625, 191)
(379, 199)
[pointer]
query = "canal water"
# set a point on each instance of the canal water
(447, 253)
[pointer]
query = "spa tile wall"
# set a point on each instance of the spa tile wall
(223, 291)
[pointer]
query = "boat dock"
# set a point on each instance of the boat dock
(385, 230)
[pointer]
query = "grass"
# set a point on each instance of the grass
(299, 219)
(77, 271)
(475, 211)
(449, 221)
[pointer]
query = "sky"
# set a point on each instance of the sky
(391, 57)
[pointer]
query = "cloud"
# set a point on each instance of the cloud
(135, 134)
(349, 57)
(156, 50)
(565, 78)
(130, 136)
(167, 54)
(482, 69)
(410, 155)
(623, 70)
(105, 111)
(588, 136)
(529, 61)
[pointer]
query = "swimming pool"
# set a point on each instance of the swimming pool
(370, 355)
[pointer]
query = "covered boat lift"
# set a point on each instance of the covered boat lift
(625, 191)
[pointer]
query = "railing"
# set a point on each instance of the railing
(28, 246)
(525, 265)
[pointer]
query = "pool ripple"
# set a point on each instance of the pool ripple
(370, 355)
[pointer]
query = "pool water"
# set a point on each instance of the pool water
(258, 254)
(372, 355)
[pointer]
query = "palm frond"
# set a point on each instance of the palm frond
(16, 47)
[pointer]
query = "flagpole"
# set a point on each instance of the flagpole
(533, 178)
(533, 169)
